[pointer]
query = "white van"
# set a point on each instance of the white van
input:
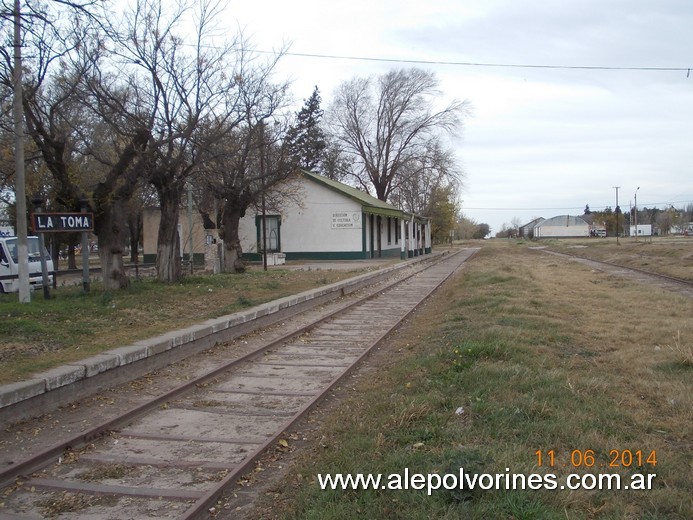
(9, 268)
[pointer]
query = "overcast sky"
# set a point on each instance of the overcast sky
(540, 141)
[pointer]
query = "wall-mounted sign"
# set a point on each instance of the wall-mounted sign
(346, 220)
(46, 222)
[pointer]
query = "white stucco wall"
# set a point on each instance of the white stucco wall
(644, 230)
(310, 228)
(321, 221)
(307, 226)
(317, 220)
(561, 231)
(248, 233)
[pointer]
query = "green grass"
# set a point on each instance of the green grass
(517, 356)
(73, 325)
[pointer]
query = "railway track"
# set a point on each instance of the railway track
(174, 455)
(679, 285)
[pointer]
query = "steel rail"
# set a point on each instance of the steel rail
(405, 300)
(681, 281)
(202, 507)
(44, 458)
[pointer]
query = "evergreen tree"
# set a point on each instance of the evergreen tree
(306, 139)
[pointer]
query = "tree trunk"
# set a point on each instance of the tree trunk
(110, 229)
(135, 227)
(233, 254)
(168, 260)
(71, 260)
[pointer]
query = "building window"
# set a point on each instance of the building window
(389, 231)
(273, 242)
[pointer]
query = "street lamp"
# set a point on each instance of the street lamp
(636, 213)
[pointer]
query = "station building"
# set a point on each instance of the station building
(329, 220)
(321, 219)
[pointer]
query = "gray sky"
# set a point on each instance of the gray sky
(540, 141)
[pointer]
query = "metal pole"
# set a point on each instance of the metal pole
(616, 188)
(85, 250)
(37, 201)
(636, 213)
(264, 227)
(190, 226)
(20, 193)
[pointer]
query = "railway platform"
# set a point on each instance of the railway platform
(59, 386)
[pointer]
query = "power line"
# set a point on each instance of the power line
(640, 204)
(479, 64)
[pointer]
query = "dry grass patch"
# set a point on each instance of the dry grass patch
(683, 351)
(522, 353)
(671, 256)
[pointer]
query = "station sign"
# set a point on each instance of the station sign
(346, 220)
(47, 222)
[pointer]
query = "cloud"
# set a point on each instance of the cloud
(538, 138)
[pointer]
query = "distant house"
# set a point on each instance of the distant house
(644, 230)
(597, 229)
(685, 229)
(562, 226)
(527, 231)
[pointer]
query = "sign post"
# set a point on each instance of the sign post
(61, 222)
(85, 250)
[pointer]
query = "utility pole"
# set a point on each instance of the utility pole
(19, 190)
(617, 210)
(636, 213)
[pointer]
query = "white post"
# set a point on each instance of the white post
(428, 235)
(402, 240)
(412, 238)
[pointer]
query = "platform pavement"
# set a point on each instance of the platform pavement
(58, 386)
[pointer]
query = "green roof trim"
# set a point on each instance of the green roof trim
(368, 203)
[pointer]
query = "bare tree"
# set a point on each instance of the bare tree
(421, 177)
(189, 94)
(385, 126)
(60, 76)
(254, 158)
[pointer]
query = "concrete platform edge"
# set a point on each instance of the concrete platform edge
(78, 373)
